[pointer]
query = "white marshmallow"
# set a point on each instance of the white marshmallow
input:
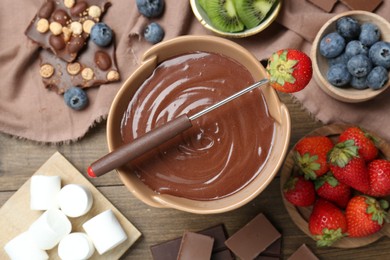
(75, 246)
(49, 229)
(105, 231)
(21, 247)
(43, 192)
(75, 200)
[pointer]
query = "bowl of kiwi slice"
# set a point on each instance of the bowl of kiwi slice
(236, 18)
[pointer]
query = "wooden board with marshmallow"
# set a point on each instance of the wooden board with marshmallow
(59, 214)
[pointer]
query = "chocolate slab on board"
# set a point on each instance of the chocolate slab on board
(365, 5)
(169, 250)
(326, 5)
(252, 239)
(195, 246)
(303, 253)
(64, 26)
(94, 66)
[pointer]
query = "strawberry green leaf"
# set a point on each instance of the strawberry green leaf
(328, 237)
(374, 208)
(280, 68)
(343, 152)
(307, 164)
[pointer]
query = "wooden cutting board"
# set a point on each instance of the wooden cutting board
(16, 215)
(300, 215)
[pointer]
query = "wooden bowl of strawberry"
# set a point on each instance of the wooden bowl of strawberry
(334, 184)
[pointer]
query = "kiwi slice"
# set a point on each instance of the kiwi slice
(252, 12)
(223, 15)
(202, 3)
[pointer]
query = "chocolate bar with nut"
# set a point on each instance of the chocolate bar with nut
(64, 26)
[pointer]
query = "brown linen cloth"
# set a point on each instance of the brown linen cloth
(28, 110)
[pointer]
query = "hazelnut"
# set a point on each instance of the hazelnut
(42, 25)
(94, 11)
(60, 16)
(57, 42)
(69, 3)
(67, 33)
(87, 74)
(76, 28)
(55, 28)
(87, 26)
(46, 71)
(113, 75)
(46, 9)
(73, 68)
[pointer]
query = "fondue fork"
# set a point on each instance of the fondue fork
(157, 136)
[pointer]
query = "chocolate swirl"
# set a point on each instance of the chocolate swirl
(223, 151)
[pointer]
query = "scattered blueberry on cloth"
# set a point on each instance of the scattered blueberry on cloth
(29, 110)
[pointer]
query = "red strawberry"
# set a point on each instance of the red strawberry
(327, 223)
(365, 216)
(363, 140)
(311, 155)
(289, 70)
(299, 192)
(348, 167)
(328, 187)
(379, 172)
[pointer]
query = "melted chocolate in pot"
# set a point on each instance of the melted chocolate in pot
(223, 151)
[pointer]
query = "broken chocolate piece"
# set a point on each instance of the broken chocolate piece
(253, 238)
(303, 253)
(169, 250)
(195, 246)
(272, 252)
(62, 35)
(364, 5)
(89, 69)
(326, 5)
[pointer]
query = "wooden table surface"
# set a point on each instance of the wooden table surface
(19, 159)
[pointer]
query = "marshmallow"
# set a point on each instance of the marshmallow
(49, 229)
(105, 231)
(44, 191)
(21, 247)
(75, 246)
(75, 200)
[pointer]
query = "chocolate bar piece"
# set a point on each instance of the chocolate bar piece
(326, 5)
(365, 5)
(195, 246)
(95, 66)
(303, 253)
(169, 250)
(64, 26)
(252, 239)
(271, 252)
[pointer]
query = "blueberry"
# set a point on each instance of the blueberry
(154, 33)
(76, 98)
(354, 48)
(379, 53)
(369, 34)
(342, 58)
(348, 27)
(359, 65)
(101, 34)
(359, 83)
(150, 8)
(338, 75)
(377, 78)
(332, 45)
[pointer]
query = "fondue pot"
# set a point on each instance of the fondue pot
(277, 111)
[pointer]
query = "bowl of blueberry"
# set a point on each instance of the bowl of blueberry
(236, 18)
(351, 56)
